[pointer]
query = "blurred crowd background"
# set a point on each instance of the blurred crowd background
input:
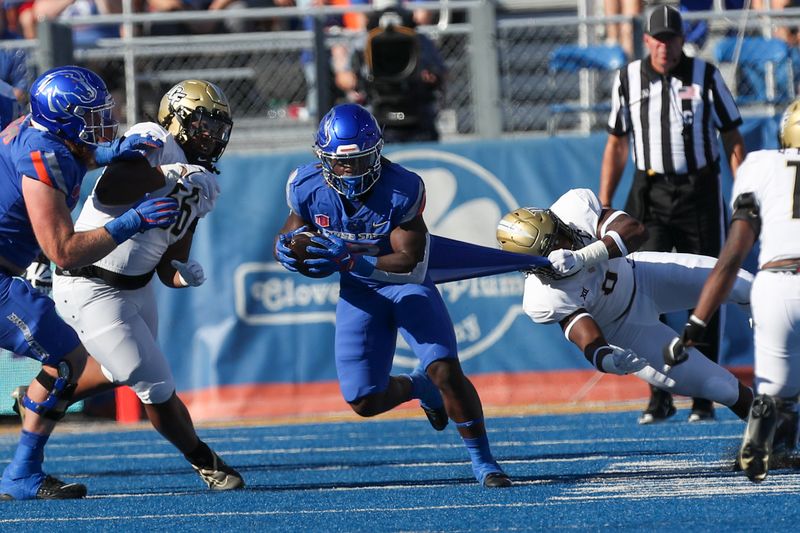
(481, 68)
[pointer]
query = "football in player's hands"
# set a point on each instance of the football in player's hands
(299, 247)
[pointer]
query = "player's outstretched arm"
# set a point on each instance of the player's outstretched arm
(582, 330)
(55, 232)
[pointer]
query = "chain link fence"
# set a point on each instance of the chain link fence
(550, 74)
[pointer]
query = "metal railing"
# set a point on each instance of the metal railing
(502, 79)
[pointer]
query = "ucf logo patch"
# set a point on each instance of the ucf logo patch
(176, 94)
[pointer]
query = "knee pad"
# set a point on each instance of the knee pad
(60, 389)
(151, 393)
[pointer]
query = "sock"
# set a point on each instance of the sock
(29, 456)
(23, 477)
(423, 389)
(483, 462)
(742, 406)
(201, 456)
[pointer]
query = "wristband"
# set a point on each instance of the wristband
(694, 330)
(697, 321)
(593, 254)
(364, 265)
(124, 226)
(598, 359)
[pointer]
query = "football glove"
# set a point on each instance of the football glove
(676, 351)
(622, 361)
(39, 274)
(565, 262)
(334, 255)
(135, 145)
(149, 213)
(190, 273)
(568, 262)
(282, 252)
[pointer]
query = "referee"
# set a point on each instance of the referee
(672, 106)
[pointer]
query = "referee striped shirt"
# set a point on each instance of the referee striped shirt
(673, 118)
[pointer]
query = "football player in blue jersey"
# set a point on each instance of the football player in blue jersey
(368, 212)
(43, 159)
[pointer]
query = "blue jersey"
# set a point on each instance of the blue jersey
(35, 154)
(396, 198)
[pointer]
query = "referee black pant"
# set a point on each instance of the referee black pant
(684, 212)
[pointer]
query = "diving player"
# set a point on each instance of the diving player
(608, 301)
(370, 213)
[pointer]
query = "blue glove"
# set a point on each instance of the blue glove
(282, 251)
(335, 255)
(148, 214)
(135, 145)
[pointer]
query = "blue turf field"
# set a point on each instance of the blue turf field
(589, 471)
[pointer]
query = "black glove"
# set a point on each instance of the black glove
(675, 352)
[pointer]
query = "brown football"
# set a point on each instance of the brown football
(298, 245)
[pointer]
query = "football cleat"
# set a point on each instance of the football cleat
(430, 399)
(220, 476)
(659, 408)
(702, 411)
(754, 455)
(496, 480)
(437, 417)
(18, 394)
(55, 489)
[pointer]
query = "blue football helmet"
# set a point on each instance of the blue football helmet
(349, 143)
(74, 104)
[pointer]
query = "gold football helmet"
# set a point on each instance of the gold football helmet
(790, 126)
(532, 231)
(197, 113)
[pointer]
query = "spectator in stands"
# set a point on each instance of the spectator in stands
(696, 32)
(176, 28)
(400, 76)
(341, 73)
(84, 35)
(14, 71)
(13, 78)
(19, 19)
(622, 33)
(237, 25)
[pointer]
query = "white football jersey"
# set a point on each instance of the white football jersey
(604, 290)
(773, 176)
(141, 253)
